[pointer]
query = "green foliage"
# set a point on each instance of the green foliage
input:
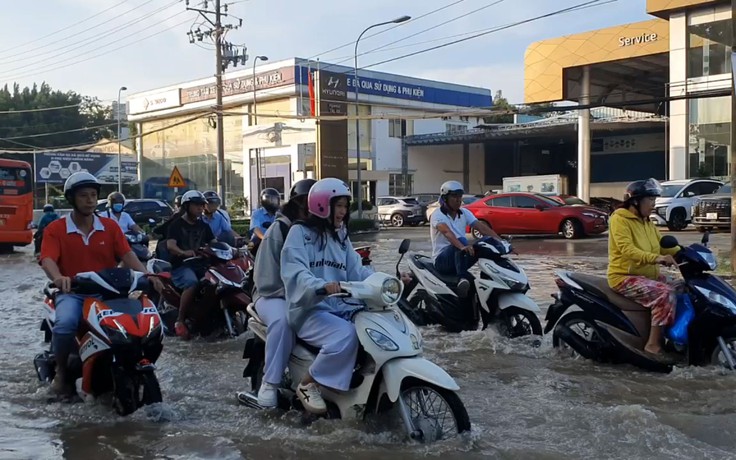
(367, 206)
(238, 205)
(88, 113)
(241, 226)
(358, 225)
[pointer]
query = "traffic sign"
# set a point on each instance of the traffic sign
(176, 179)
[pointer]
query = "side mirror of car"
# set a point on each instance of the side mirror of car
(404, 246)
(668, 242)
(540, 207)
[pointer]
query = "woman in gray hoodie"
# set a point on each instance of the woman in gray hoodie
(269, 294)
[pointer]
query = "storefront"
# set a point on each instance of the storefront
(270, 136)
(677, 66)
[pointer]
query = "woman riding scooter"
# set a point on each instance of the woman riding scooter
(633, 255)
(269, 294)
(318, 255)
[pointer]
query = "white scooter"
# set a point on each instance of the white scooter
(390, 370)
(499, 296)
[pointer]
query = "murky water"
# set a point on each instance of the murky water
(523, 402)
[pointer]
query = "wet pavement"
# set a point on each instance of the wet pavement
(523, 402)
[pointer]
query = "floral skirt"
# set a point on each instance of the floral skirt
(658, 296)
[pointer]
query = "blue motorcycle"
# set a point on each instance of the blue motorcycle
(597, 323)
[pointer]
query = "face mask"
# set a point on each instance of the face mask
(117, 207)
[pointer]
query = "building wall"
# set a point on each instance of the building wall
(433, 165)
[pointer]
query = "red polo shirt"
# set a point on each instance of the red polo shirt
(75, 252)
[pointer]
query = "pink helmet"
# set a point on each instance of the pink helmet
(323, 192)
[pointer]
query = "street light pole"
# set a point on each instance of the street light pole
(356, 87)
(255, 122)
(120, 153)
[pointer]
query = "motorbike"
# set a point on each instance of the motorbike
(591, 320)
(365, 254)
(221, 299)
(499, 296)
(119, 340)
(389, 371)
(139, 245)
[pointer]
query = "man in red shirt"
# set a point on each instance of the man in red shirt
(79, 242)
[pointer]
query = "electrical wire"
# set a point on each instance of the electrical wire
(31, 136)
(51, 34)
(46, 109)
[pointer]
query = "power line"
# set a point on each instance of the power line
(91, 40)
(51, 34)
(30, 136)
(68, 64)
(46, 109)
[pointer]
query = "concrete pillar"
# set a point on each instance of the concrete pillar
(584, 138)
(677, 114)
(405, 165)
(466, 167)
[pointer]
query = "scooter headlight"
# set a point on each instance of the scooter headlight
(391, 290)
(717, 298)
(381, 340)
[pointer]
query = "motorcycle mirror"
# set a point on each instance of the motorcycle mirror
(706, 238)
(668, 242)
(404, 246)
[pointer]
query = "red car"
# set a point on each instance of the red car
(531, 213)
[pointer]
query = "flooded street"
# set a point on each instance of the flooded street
(523, 402)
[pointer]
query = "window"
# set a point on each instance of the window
(15, 181)
(700, 188)
(707, 50)
(149, 206)
(396, 128)
(709, 149)
(454, 128)
(525, 202)
(397, 187)
(500, 202)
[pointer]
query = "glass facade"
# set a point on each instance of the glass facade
(192, 147)
(709, 52)
(709, 137)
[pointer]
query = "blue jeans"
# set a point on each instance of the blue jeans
(184, 277)
(453, 261)
(67, 316)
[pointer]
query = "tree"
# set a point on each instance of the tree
(81, 121)
(504, 109)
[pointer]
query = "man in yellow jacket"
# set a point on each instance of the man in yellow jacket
(634, 254)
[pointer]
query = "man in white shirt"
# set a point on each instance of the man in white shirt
(115, 203)
(451, 253)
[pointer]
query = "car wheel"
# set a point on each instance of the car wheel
(678, 220)
(571, 229)
(397, 220)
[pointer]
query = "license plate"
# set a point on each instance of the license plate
(711, 216)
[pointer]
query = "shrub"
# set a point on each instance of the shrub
(367, 206)
(241, 226)
(358, 225)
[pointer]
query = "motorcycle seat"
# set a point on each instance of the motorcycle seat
(598, 286)
(426, 263)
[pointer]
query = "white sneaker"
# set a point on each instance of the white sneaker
(268, 395)
(311, 398)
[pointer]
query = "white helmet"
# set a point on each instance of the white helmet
(79, 180)
(322, 193)
(451, 186)
(193, 196)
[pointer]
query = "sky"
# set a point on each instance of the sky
(94, 47)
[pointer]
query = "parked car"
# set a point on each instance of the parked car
(467, 199)
(674, 207)
(142, 209)
(425, 199)
(607, 205)
(713, 211)
(531, 213)
(400, 210)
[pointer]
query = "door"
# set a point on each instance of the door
(528, 219)
(498, 213)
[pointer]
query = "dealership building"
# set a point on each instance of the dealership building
(271, 114)
(667, 85)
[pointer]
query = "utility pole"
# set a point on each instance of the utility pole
(232, 54)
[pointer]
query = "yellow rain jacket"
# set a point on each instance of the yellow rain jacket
(633, 248)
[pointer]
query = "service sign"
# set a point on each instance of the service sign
(152, 102)
(56, 167)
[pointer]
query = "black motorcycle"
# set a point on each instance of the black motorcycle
(608, 327)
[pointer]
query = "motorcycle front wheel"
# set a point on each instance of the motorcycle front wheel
(517, 322)
(435, 413)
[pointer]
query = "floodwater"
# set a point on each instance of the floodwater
(524, 402)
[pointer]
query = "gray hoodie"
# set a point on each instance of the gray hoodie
(308, 263)
(267, 271)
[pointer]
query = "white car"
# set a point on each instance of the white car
(674, 207)
(467, 199)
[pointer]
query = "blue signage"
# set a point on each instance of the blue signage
(412, 91)
(56, 167)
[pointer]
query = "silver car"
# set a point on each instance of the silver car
(400, 211)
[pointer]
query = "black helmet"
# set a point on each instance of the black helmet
(270, 199)
(77, 181)
(643, 188)
(212, 197)
(115, 197)
(48, 208)
(177, 200)
(301, 188)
